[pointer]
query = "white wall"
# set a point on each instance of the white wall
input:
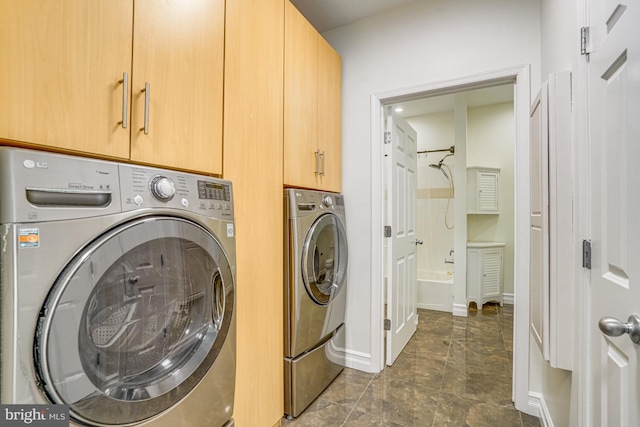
(490, 143)
(421, 42)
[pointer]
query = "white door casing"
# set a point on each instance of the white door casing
(614, 132)
(401, 214)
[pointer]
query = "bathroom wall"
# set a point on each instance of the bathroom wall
(435, 131)
(490, 143)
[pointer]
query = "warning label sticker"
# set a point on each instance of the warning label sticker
(28, 237)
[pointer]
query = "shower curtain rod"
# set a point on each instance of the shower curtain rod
(451, 149)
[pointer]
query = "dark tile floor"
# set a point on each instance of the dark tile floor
(454, 372)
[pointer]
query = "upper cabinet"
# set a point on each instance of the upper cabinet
(312, 107)
(483, 186)
(61, 80)
(178, 52)
(110, 79)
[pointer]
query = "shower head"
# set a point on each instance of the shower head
(439, 166)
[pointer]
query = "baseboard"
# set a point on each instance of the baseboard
(460, 310)
(508, 298)
(436, 307)
(359, 361)
(538, 408)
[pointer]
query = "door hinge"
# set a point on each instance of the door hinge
(387, 137)
(387, 324)
(586, 254)
(387, 231)
(584, 40)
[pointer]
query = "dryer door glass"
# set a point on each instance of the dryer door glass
(324, 259)
(135, 321)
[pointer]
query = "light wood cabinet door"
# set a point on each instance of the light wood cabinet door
(312, 107)
(61, 77)
(178, 50)
(300, 100)
(330, 115)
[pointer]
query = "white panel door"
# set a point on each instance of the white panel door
(539, 223)
(614, 129)
(401, 205)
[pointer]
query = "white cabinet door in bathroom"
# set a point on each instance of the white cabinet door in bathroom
(484, 272)
(401, 165)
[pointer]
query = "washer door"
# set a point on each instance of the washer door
(324, 259)
(135, 321)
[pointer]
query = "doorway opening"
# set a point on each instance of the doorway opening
(518, 78)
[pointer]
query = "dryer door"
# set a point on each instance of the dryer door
(324, 259)
(135, 321)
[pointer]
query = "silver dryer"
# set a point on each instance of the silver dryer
(315, 294)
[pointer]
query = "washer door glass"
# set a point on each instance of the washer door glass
(324, 259)
(135, 321)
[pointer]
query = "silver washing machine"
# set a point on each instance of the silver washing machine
(117, 291)
(315, 294)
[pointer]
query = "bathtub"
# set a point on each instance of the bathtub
(435, 290)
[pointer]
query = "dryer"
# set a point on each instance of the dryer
(315, 294)
(117, 291)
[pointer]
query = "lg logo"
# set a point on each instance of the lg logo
(30, 164)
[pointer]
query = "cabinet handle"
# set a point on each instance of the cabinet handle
(317, 154)
(146, 91)
(125, 95)
(322, 159)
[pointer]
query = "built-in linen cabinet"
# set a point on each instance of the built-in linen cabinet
(552, 251)
(485, 279)
(483, 190)
(140, 81)
(312, 107)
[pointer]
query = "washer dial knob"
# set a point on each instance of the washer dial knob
(327, 201)
(162, 188)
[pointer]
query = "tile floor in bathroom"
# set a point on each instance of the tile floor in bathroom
(454, 372)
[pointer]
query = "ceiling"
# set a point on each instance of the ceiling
(438, 104)
(326, 15)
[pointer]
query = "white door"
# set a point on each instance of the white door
(539, 223)
(614, 121)
(401, 249)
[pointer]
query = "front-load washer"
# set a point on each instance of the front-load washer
(315, 294)
(117, 291)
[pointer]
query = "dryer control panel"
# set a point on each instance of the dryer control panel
(310, 202)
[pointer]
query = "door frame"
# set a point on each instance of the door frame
(519, 76)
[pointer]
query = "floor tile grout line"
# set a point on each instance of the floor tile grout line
(358, 400)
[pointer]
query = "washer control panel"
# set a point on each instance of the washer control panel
(145, 187)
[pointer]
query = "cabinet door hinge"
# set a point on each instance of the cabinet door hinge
(584, 40)
(387, 137)
(586, 254)
(387, 324)
(387, 231)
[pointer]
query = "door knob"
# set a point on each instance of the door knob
(418, 242)
(614, 328)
